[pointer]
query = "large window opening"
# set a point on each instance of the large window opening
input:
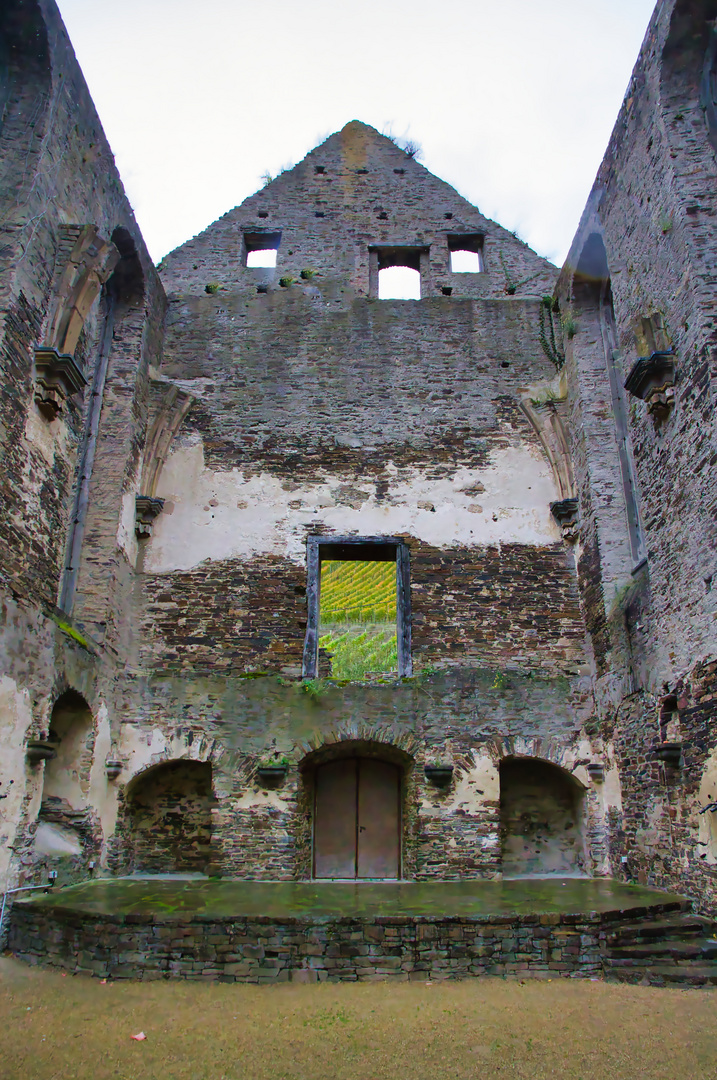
(261, 249)
(466, 253)
(357, 617)
(399, 283)
(395, 273)
(359, 608)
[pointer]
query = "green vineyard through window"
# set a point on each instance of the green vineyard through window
(357, 617)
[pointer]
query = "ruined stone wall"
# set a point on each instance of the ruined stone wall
(261, 951)
(354, 191)
(58, 171)
(59, 183)
(646, 241)
(471, 719)
(321, 410)
(291, 403)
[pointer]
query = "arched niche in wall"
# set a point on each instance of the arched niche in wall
(66, 824)
(593, 306)
(542, 820)
(167, 822)
(688, 84)
(118, 358)
(72, 731)
(707, 813)
(127, 282)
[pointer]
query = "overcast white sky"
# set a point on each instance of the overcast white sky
(512, 101)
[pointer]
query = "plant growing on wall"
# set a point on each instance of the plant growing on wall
(548, 340)
(511, 285)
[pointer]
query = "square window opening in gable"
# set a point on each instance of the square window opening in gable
(466, 253)
(396, 273)
(261, 249)
(358, 593)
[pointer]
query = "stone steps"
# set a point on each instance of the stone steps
(681, 925)
(679, 950)
(689, 974)
(676, 949)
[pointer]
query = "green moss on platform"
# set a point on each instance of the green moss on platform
(209, 898)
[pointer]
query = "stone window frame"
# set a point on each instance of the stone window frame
(260, 240)
(473, 241)
(383, 256)
(360, 548)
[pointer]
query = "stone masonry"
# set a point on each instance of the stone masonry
(541, 443)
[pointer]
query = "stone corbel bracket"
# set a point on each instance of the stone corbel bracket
(652, 379)
(566, 514)
(57, 378)
(147, 508)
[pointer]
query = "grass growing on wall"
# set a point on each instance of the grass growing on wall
(358, 617)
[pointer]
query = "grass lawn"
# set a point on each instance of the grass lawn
(57, 1027)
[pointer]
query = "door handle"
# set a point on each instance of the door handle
(362, 828)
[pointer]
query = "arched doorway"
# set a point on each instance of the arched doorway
(357, 819)
(169, 819)
(541, 820)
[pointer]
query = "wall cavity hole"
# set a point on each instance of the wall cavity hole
(505, 363)
(263, 214)
(447, 290)
(448, 216)
(319, 170)
(399, 172)
(319, 213)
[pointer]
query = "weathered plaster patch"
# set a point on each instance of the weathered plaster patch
(256, 797)
(103, 794)
(126, 536)
(15, 776)
(707, 821)
(472, 790)
(55, 841)
(221, 515)
(611, 787)
(47, 437)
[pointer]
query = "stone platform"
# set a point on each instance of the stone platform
(151, 928)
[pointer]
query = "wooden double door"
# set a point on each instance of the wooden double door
(357, 819)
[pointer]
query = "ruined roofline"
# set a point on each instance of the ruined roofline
(342, 145)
